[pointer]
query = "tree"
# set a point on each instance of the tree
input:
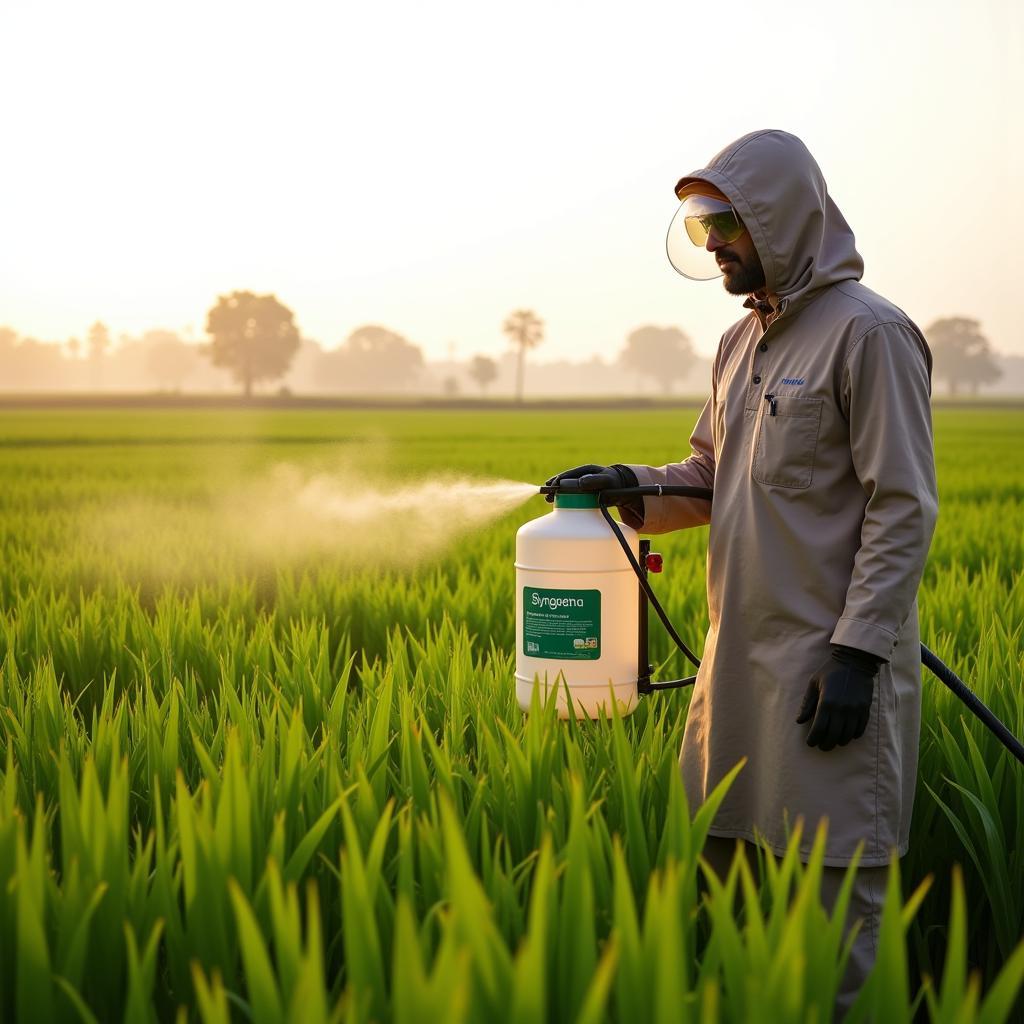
(168, 359)
(961, 353)
(525, 330)
(27, 364)
(98, 341)
(254, 337)
(483, 370)
(665, 354)
(373, 358)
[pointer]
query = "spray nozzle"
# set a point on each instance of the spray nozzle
(569, 486)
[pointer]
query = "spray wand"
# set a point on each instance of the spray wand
(929, 659)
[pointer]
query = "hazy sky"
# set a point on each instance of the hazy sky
(433, 166)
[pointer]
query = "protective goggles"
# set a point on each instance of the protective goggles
(696, 220)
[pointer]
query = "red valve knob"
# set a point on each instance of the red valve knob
(655, 563)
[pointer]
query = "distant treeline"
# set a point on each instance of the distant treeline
(252, 344)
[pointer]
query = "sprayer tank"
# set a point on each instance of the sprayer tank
(577, 609)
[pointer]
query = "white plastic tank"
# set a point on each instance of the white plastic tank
(577, 609)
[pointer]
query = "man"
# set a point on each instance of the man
(817, 443)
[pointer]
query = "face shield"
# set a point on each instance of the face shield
(698, 218)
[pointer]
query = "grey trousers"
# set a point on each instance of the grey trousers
(865, 904)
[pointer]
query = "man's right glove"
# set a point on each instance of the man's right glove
(604, 478)
(838, 697)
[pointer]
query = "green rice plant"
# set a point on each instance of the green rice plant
(249, 784)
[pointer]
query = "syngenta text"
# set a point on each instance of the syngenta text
(557, 602)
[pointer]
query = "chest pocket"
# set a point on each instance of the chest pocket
(786, 442)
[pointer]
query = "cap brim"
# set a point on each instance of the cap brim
(691, 186)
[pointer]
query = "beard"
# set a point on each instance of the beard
(747, 278)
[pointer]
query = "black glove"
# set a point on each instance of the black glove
(603, 478)
(596, 478)
(838, 697)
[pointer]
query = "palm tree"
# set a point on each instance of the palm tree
(525, 330)
(483, 370)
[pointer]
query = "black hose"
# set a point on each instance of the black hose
(660, 491)
(667, 684)
(646, 586)
(943, 672)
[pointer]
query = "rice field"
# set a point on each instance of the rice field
(261, 757)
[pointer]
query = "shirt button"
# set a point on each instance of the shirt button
(757, 378)
(764, 346)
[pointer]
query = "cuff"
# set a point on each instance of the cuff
(865, 636)
(863, 661)
(631, 510)
(649, 513)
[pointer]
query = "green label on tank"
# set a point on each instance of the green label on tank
(563, 624)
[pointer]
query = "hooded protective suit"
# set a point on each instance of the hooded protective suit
(817, 442)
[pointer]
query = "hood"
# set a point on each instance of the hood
(780, 193)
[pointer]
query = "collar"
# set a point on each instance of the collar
(766, 306)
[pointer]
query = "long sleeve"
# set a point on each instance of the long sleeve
(885, 391)
(662, 515)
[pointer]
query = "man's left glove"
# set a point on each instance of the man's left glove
(597, 478)
(600, 478)
(838, 697)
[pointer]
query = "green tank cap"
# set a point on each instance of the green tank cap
(576, 500)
